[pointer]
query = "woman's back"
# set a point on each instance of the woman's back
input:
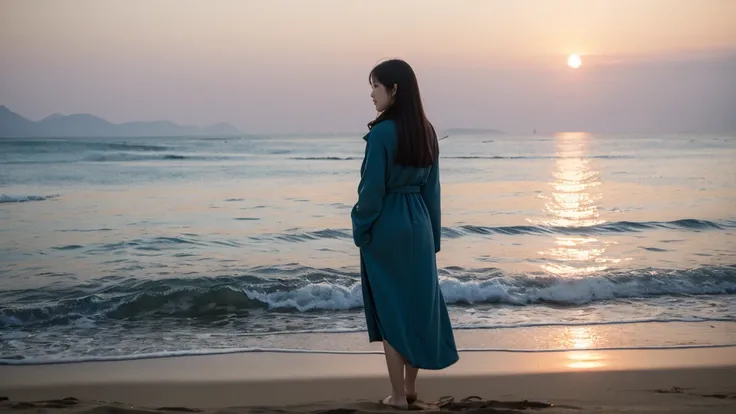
(397, 176)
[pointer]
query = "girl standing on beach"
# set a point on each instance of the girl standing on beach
(396, 225)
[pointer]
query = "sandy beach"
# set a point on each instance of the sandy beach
(651, 381)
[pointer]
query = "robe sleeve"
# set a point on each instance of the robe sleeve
(371, 189)
(432, 199)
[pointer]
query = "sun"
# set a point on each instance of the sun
(574, 61)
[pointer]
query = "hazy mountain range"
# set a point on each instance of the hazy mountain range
(85, 125)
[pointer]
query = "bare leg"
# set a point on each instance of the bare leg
(410, 381)
(395, 364)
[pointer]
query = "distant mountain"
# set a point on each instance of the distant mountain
(85, 125)
(12, 124)
(73, 126)
(53, 116)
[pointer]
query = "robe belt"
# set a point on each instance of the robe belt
(405, 189)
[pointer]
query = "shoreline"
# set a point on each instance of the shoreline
(627, 378)
(523, 340)
(238, 351)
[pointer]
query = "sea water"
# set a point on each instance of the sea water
(116, 248)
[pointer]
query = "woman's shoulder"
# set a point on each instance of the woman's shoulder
(384, 131)
(384, 124)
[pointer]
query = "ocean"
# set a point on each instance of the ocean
(119, 248)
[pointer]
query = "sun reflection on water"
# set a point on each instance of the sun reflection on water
(572, 202)
(583, 338)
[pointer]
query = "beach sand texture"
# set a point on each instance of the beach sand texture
(640, 381)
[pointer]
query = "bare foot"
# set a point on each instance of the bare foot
(395, 402)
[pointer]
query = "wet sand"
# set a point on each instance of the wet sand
(651, 381)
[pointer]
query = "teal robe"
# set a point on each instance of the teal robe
(396, 224)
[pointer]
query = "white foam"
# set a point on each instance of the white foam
(323, 295)
(479, 291)
(524, 290)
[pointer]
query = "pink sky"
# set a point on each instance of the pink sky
(293, 66)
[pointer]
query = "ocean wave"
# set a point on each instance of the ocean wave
(226, 351)
(301, 289)
(301, 236)
(71, 145)
(297, 235)
(612, 227)
(7, 198)
(148, 244)
(131, 156)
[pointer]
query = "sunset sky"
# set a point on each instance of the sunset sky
(302, 65)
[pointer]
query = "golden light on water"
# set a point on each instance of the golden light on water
(582, 337)
(573, 202)
(585, 360)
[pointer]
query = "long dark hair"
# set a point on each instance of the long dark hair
(417, 139)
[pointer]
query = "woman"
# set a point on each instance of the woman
(396, 225)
